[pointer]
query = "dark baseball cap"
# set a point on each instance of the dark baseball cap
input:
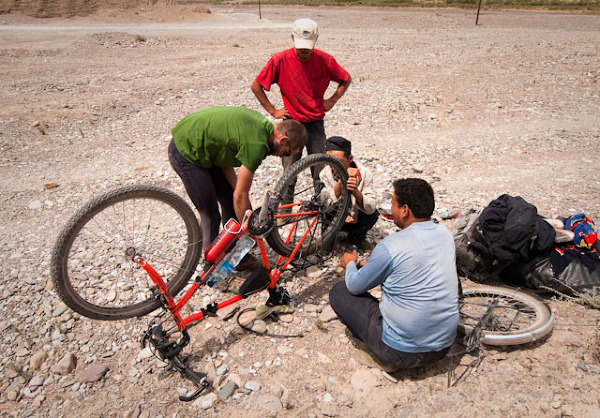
(338, 143)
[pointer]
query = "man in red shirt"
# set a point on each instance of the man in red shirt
(303, 75)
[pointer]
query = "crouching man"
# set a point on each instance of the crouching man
(415, 322)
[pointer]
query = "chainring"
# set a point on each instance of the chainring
(254, 225)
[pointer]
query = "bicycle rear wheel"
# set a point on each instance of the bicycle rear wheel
(305, 214)
(517, 317)
(90, 269)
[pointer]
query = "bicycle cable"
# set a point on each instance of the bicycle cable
(264, 333)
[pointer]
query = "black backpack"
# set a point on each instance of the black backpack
(513, 231)
(474, 260)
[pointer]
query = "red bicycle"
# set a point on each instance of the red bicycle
(131, 250)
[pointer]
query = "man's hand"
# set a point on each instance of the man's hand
(329, 103)
(347, 257)
(352, 184)
(352, 187)
(281, 113)
(241, 193)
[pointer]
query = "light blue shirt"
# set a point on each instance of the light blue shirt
(416, 269)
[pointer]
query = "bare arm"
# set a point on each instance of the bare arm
(241, 193)
(337, 94)
(260, 94)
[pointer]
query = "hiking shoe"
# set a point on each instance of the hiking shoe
(249, 262)
(362, 244)
(370, 360)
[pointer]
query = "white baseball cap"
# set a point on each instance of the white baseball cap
(305, 32)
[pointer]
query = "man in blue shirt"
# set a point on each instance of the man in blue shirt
(415, 322)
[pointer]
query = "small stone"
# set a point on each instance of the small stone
(313, 272)
(66, 365)
(259, 326)
(133, 413)
(252, 385)
(60, 309)
(36, 360)
(222, 369)
(35, 205)
(227, 390)
(36, 381)
(270, 403)
(144, 354)
(309, 307)
(206, 401)
(228, 311)
(328, 314)
(93, 373)
(28, 393)
(287, 318)
(12, 395)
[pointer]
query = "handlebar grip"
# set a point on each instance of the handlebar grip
(199, 378)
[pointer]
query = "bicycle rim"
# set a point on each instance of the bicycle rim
(300, 214)
(517, 318)
(90, 270)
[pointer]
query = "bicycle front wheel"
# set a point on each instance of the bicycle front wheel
(300, 209)
(514, 317)
(91, 271)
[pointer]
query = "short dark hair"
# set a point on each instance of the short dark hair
(295, 131)
(417, 194)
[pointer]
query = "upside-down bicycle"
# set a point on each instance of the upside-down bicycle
(131, 250)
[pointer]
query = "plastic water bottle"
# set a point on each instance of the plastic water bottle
(231, 260)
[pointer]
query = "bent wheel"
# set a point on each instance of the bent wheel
(517, 317)
(92, 267)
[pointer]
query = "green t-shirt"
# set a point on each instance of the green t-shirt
(223, 137)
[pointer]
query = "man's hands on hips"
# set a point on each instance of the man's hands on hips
(281, 113)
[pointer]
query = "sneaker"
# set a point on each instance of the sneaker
(249, 262)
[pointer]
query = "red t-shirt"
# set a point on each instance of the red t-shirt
(302, 84)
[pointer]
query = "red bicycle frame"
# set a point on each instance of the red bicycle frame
(201, 279)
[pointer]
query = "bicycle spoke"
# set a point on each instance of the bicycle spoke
(511, 316)
(98, 269)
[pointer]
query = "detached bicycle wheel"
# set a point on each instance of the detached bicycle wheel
(505, 316)
(300, 209)
(91, 271)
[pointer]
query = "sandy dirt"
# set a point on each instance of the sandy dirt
(509, 106)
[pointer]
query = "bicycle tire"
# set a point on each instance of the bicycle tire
(90, 270)
(307, 193)
(519, 318)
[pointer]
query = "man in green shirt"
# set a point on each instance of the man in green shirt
(208, 144)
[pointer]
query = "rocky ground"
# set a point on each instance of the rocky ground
(509, 106)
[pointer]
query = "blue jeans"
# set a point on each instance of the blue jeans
(315, 144)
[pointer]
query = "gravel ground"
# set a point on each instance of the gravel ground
(509, 106)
